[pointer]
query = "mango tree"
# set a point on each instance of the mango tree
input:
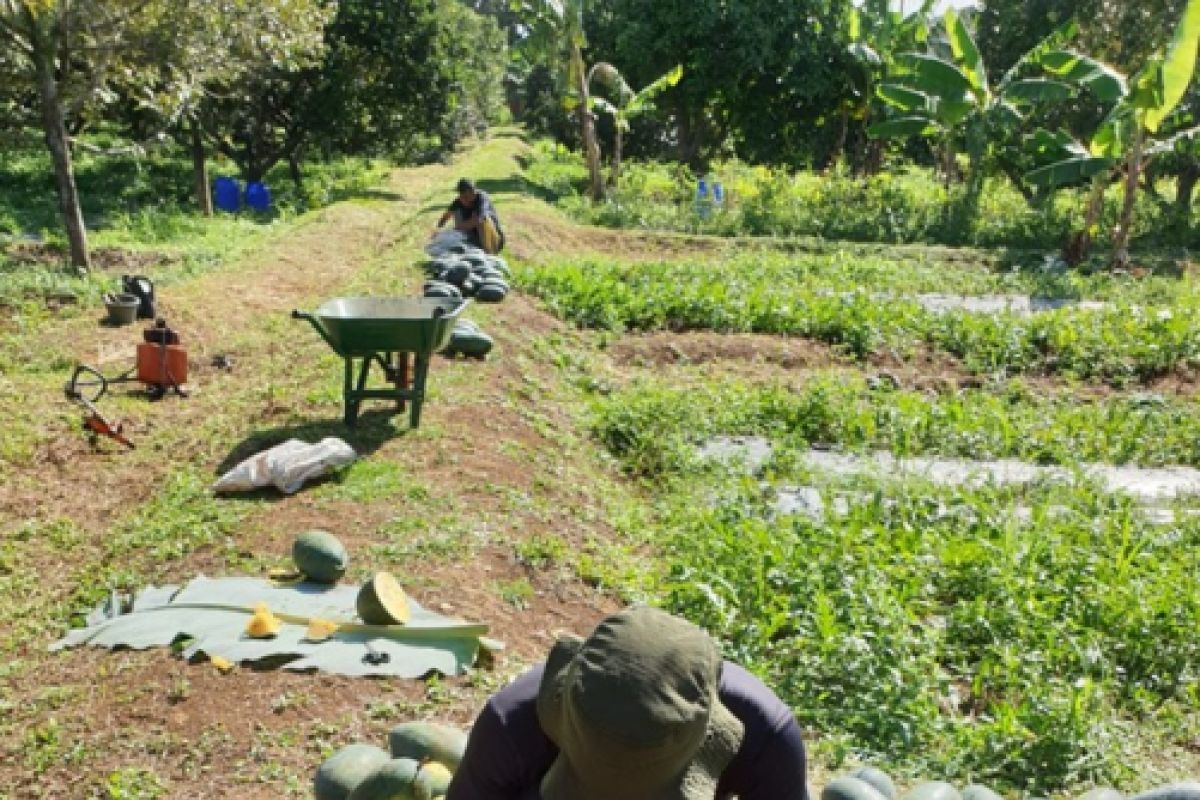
(947, 95)
(626, 104)
(1133, 131)
(74, 55)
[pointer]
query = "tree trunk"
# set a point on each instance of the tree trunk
(60, 154)
(1120, 258)
(587, 128)
(615, 178)
(1186, 188)
(839, 145)
(200, 171)
(1080, 244)
(293, 160)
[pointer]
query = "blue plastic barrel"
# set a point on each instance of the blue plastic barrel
(701, 190)
(227, 195)
(718, 193)
(258, 196)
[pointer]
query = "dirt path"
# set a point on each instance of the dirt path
(476, 511)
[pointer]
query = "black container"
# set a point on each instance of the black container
(141, 287)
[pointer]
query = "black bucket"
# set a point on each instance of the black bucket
(141, 287)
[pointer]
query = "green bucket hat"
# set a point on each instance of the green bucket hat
(635, 713)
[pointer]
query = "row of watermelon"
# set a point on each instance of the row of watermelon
(870, 783)
(465, 271)
(420, 761)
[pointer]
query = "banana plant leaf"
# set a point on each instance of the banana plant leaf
(962, 44)
(1038, 90)
(211, 615)
(901, 127)
(904, 98)
(932, 75)
(1068, 171)
(1106, 83)
(1178, 66)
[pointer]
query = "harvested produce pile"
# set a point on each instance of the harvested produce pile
(422, 759)
(457, 269)
(870, 783)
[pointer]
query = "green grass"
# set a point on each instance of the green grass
(142, 205)
(820, 298)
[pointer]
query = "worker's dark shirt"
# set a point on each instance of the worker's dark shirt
(481, 207)
(508, 754)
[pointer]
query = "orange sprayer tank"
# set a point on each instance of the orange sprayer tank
(155, 370)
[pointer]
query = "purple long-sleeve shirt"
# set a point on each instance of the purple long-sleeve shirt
(508, 753)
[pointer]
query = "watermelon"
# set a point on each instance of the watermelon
(342, 772)
(932, 790)
(847, 788)
(392, 781)
(381, 601)
(1173, 791)
(456, 274)
(439, 289)
(428, 741)
(475, 344)
(432, 781)
(320, 556)
(877, 778)
(979, 792)
(491, 292)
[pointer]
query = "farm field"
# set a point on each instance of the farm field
(1037, 636)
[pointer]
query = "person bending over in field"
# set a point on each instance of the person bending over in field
(643, 709)
(475, 215)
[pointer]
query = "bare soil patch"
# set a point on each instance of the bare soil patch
(534, 234)
(112, 259)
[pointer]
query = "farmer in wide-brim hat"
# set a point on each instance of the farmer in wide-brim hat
(643, 709)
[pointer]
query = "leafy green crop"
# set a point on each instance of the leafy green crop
(828, 299)
(933, 629)
(653, 425)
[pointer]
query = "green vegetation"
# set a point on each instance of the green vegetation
(138, 209)
(654, 426)
(1118, 344)
(904, 205)
(932, 629)
(927, 627)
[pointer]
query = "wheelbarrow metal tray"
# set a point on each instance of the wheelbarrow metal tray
(361, 326)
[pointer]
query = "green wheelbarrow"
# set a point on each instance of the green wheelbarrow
(386, 331)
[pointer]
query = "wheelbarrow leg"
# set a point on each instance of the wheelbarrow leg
(403, 378)
(354, 392)
(348, 398)
(418, 389)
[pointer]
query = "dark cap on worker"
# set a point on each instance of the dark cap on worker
(465, 185)
(635, 712)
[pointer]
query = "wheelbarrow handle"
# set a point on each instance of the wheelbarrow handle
(298, 314)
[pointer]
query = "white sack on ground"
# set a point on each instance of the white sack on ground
(287, 466)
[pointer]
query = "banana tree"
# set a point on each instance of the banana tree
(1133, 132)
(877, 35)
(627, 104)
(556, 29)
(945, 94)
